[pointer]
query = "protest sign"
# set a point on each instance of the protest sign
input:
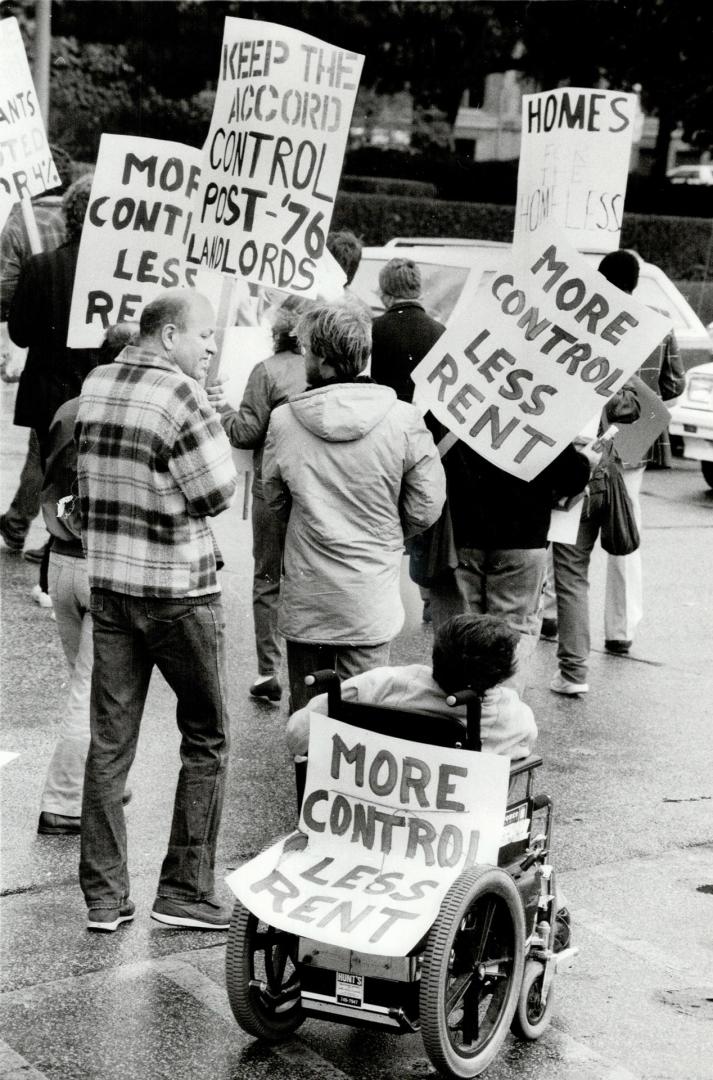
(273, 155)
(386, 827)
(134, 234)
(574, 164)
(26, 165)
(535, 353)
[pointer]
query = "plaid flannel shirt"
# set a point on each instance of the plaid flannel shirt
(153, 463)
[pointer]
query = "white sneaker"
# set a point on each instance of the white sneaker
(40, 597)
(560, 685)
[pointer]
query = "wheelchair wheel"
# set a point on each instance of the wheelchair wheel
(532, 1017)
(472, 971)
(261, 976)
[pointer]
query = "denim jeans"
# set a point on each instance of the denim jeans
(25, 505)
(185, 640)
(69, 589)
(268, 545)
(506, 582)
(347, 660)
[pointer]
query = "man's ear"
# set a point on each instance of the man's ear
(168, 334)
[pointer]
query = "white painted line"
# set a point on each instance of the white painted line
(14, 1067)
(215, 997)
(573, 1052)
(595, 924)
(6, 756)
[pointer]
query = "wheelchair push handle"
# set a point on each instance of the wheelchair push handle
(463, 697)
(321, 679)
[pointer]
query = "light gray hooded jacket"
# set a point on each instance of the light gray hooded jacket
(353, 470)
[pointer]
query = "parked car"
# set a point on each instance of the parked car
(692, 418)
(449, 266)
(700, 175)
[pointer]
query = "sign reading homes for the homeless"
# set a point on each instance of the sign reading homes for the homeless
(26, 165)
(533, 355)
(574, 164)
(273, 155)
(134, 235)
(387, 826)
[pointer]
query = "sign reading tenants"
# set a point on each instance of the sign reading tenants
(134, 234)
(386, 827)
(273, 155)
(574, 164)
(533, 355)
(26, 165)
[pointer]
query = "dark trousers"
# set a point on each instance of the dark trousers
(185, 640)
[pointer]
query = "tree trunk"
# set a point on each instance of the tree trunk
(667, 124)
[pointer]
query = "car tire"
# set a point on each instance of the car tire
(707, 469)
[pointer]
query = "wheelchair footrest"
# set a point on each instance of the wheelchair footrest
(565, 959)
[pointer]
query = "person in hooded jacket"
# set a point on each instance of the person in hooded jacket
(353, 470)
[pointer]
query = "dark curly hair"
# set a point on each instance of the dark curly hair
(474, 652)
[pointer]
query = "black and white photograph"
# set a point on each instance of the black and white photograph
(356, 586)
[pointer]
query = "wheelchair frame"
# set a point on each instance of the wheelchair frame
(486, 965)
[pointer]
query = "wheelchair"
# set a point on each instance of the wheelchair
(487, 964)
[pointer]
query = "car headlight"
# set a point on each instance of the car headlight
(700, 391)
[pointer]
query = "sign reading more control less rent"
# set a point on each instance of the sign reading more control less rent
(273, 155)
(387, 826)
(533, 355)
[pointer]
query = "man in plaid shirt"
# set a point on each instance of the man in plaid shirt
(153, 464)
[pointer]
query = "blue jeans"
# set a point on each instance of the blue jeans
(185, 640)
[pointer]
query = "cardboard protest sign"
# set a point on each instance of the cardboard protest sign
(26, 165)
(574, 164)
(134, 234)
(535, 353)
(273, 155)
(386, 827)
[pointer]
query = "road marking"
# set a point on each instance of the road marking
(574, 1052)
(14, 1067)
(636, 946)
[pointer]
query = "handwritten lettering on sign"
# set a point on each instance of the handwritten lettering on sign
(273, 155)
(134, 235)
(26, 165)
(387, 826)
(574, 164)
(533, 355)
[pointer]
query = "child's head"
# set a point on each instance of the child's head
(474, 652)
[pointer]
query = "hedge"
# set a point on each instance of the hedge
(681, 246)
(386, 185)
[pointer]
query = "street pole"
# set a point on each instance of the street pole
(41, 72)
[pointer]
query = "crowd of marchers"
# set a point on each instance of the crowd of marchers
(129, 457)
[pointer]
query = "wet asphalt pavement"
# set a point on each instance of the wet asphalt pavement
(629, 768)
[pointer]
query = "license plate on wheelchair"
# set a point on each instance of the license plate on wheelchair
(349, 989)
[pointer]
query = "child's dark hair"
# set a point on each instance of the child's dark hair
(474, 652)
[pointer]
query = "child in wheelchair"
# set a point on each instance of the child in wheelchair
(475, 652)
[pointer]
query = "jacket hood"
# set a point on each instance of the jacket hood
(343, 412)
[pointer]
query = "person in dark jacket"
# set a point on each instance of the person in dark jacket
(38, 320)
(403, 335)
(500, 525)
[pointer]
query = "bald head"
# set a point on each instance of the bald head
(180, 325)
